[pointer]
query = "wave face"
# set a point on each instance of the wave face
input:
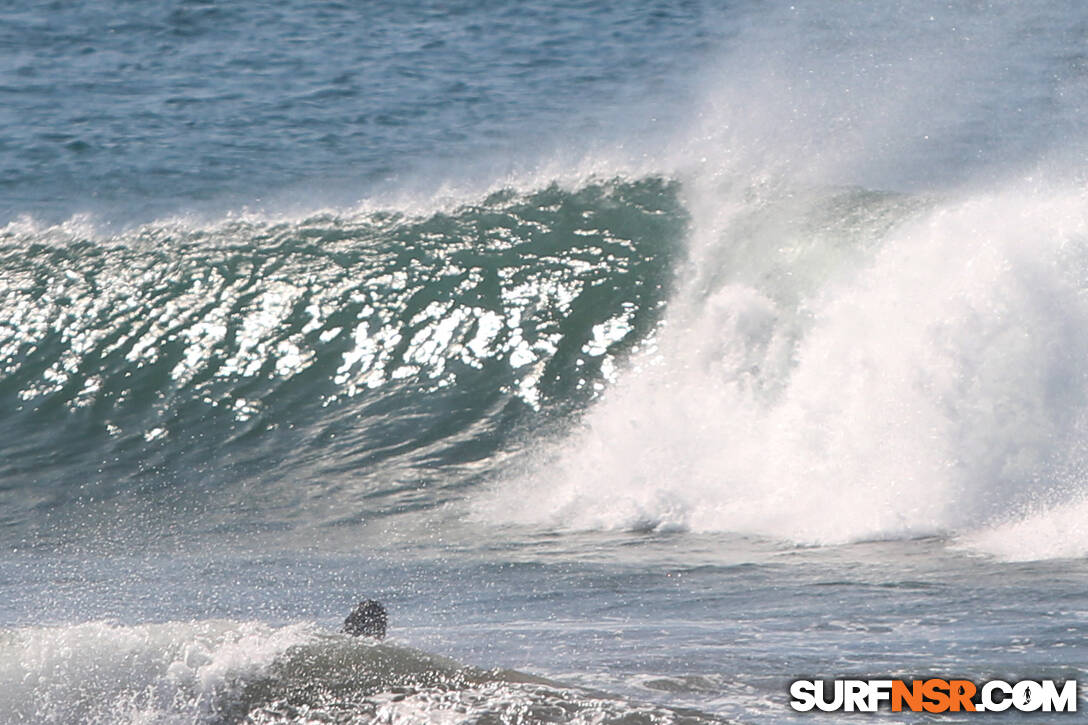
(349, 359)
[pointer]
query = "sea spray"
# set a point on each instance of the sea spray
(932, 383)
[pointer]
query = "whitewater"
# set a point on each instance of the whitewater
(639, 359)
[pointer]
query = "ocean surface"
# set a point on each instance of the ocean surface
(640, 357)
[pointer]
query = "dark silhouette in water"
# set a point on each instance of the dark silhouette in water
(367, 620)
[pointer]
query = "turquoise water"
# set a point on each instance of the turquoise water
(640, 359)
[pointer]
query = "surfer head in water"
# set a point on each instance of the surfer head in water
(367, 620)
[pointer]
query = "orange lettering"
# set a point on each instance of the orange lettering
(900, 693)
(936, 691)
(961, 692)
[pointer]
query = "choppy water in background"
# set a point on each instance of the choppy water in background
(640, 358)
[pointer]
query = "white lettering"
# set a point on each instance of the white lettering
(803, 693)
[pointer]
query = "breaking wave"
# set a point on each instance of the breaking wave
(845, 365)
(816, 365)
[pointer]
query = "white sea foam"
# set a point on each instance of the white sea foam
(105, 673)
(1060, 531)
(841, 365)
(932, 383)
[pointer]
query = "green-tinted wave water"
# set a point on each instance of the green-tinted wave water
(369, 359)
